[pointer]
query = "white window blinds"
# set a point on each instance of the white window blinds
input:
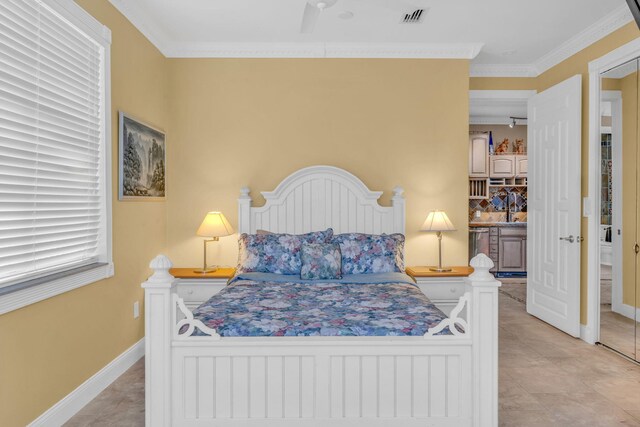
(51, 143)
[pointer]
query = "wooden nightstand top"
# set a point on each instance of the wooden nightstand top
(188, 273)
(420, 271)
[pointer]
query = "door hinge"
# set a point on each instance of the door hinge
(636, 248)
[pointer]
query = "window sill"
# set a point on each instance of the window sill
(24, 297)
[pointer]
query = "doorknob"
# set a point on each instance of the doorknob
(569, 239)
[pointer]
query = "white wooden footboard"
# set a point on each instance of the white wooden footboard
(350, 381)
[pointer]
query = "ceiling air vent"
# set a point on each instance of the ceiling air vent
(413, 18)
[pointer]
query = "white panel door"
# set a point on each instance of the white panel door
(553, 244)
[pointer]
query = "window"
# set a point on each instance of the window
(55, 167)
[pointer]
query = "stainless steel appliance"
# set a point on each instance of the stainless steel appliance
(478, 241)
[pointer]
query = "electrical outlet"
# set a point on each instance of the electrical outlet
(136, 310)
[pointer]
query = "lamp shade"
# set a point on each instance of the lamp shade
(214, 225)
(437, 221)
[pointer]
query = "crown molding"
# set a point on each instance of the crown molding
(324, 50)
(602, 28)
(142, 22)
(493, 120)
(160, 38)
(502, 70)
(503, 95)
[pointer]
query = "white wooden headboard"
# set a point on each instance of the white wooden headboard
(319, 197)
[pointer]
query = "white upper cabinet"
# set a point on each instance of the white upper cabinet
(502, 166)
(479, 155)
(521, 166)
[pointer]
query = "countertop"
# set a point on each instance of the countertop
(497, 224)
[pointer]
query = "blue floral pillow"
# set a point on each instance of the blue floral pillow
(275, 253)
(371, 253)
(321, 261)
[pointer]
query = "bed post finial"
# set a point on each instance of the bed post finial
(397, 203)
(397, 192)
(481, 264)
(483, 321)
(244, 211)
(160, 265)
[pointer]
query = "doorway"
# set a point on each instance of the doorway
(498, 196)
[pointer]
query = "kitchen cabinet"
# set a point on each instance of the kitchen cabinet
(521, 166)
(479, 155)
(512, 249)
(493, 248)
(502, 166)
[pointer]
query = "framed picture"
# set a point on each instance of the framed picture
(142, 165)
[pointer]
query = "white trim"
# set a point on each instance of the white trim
(502, 70)
(496, 97)
(618, 56)
(72, 403)
(82, 19)
(22, 298)
(322, 50)
(627, 311)
(592, 204)
(493, 120)
(602, 28)
(502, 94)
(170, 49)
(586, 334)
(142, 22)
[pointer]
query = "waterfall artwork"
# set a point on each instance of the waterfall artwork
(141, 160)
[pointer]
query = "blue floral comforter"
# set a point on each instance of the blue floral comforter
(263, 304)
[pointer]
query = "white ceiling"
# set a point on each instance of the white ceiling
(515, 35)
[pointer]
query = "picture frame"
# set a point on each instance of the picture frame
(141, 160)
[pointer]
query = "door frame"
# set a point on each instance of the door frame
(591, 203)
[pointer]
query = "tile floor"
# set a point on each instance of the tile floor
(546, 379)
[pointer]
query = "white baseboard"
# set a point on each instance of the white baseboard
(626, 310)
(71, 404)
(586, 334)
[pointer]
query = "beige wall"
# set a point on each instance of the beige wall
(254, 121)
(49, 348)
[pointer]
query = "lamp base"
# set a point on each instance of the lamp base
(206, 270)
(440, 269)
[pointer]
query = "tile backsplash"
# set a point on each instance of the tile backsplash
(497, 202)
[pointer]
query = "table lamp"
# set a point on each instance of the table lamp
(214, 225)
(438, 221)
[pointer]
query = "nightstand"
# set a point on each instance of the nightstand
(196, 288)
(444, 289)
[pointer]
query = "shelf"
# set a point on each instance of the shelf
(478, 188)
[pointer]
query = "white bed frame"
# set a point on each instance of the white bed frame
(322, 381)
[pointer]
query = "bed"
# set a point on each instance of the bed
(361, 350)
